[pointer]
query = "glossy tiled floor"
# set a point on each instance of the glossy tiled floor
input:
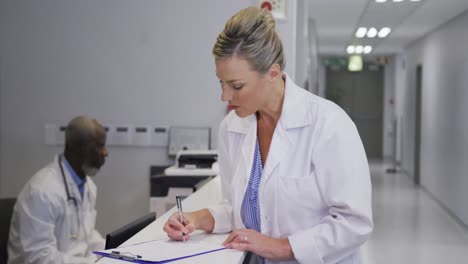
(410, 227)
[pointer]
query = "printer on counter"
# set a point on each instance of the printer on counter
(192, 169)
(195, 163)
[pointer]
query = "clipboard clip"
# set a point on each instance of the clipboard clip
(124, 255)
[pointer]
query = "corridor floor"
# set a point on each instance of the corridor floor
(410, 226)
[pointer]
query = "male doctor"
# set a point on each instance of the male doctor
(54, 217)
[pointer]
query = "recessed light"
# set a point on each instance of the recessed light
(367, 49)
(384, 32)
(361, 32)
(350, 49)
(355, 63)
(371, 33)
(359, 49)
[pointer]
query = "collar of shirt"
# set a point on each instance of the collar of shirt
(77, 179)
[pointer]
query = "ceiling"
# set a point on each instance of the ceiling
(336, 22)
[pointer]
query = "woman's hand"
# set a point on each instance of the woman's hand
(261, 245)
(202, 220)
(175, 229)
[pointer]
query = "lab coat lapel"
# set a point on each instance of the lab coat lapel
(248, 127)
(72, 188)
(293, 115)
(248, 149)
(279, 148)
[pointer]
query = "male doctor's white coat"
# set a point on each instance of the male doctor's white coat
(48, 229)
(315, 187)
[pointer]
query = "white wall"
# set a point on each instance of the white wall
(314, 62)
(306, 49)
(400, 87)
(287, 30)
(302, 43)
(444, 139)
(138, 62)
(388, 110)
(1, 118)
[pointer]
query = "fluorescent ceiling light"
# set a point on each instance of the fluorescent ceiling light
(384, 32)
(372, 33)
(380, 1)
(359, 49)
(367, 49)
(361, 32)
(355, 63)
(398, 0)
(415, 0)
(350, 49)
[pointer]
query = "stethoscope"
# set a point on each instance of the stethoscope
(73, 235)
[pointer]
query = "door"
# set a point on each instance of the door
(417, 132)
(360, 94)
(1, 124)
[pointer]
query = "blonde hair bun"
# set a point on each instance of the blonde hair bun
(251, 34)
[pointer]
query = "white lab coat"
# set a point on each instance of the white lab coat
(44, 221)
(315, 187)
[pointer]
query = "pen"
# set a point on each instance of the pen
(120, 255)
(181, 216)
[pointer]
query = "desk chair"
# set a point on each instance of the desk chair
(6, 210)
(122, 234)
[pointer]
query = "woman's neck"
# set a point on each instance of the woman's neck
(271, 112)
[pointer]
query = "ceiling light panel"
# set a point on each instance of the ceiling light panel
(367, 49)
(385, 18)
(361, 32)
(355, 63)
(359, 49)
(383, 32)
(372, 32)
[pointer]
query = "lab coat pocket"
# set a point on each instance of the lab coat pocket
(90, 220)
(302, 193)
(70, 232)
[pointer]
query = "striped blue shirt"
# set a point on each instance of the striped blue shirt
(250, 210)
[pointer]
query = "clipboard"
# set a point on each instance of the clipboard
(160, 251)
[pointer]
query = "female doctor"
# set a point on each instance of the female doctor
(295, 179)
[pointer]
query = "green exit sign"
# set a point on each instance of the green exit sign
(340, 62)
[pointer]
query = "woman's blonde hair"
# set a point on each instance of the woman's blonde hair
(251, 35)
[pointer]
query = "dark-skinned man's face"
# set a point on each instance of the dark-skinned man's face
(95, 153)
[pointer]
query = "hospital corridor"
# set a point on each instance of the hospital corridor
(410, 225)
(234, 132)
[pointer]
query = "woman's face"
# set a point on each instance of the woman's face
(243, 88)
